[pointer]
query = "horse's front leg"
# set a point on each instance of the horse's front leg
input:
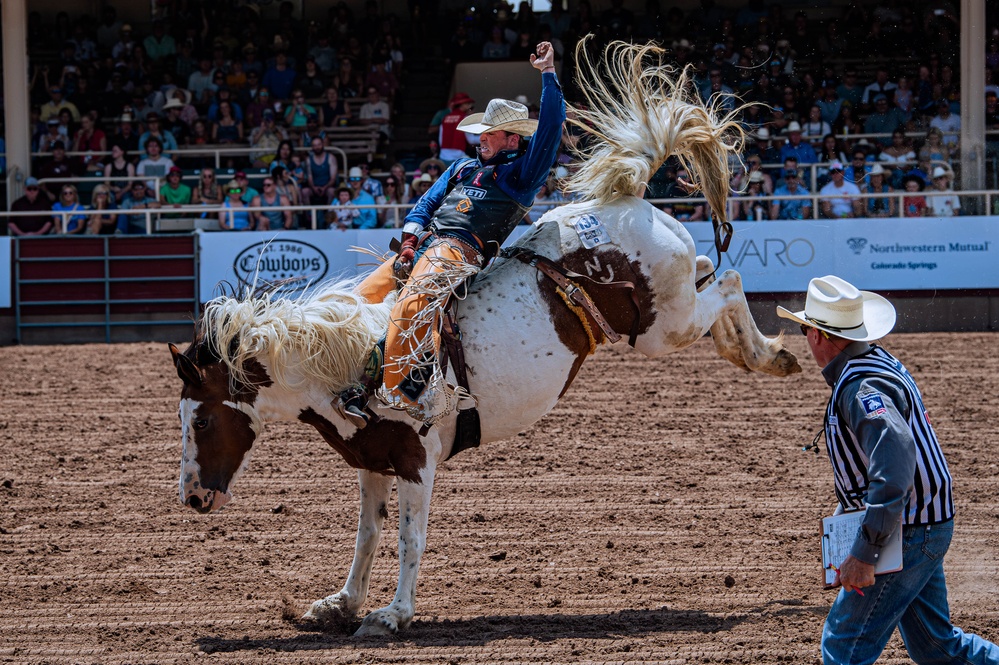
(722, 306)
(414, 509)
(344, 605)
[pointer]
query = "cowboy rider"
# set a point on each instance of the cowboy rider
(464, 218)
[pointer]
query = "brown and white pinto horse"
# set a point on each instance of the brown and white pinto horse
(267, 358)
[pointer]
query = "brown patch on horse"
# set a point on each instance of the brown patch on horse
(384, 446)
(615, 304)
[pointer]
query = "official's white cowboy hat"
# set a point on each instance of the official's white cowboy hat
(838, 307)
(501, 115)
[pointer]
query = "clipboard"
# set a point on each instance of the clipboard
(838, 535)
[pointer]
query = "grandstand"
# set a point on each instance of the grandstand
(912, 88)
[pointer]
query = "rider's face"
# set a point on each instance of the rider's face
(491, 143)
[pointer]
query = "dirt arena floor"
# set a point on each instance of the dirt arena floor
(664, 512)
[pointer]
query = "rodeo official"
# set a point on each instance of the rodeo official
(885, 457)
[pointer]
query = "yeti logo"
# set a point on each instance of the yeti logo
(857, 244)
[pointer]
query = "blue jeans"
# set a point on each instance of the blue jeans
(914, 599)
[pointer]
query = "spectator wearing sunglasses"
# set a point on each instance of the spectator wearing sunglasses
(32, 201)
(69, 201)
(233, 216)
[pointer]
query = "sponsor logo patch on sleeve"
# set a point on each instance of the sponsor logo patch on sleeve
(874, 404)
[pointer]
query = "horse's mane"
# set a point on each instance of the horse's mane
(323, 336)
(640, 111)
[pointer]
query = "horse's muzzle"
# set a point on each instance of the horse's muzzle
(212, 500)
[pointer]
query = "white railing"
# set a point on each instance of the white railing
(205, 218)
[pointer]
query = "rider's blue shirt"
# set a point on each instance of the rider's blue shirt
(520, 178)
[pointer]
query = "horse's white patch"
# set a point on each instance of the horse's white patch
(590, 231)
(189, 469)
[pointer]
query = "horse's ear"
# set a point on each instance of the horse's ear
(186, 369)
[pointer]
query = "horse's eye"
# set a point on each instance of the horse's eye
(200, 424)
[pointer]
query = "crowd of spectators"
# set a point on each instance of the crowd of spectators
(821, 113)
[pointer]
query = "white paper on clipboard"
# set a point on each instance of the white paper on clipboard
(839, 532)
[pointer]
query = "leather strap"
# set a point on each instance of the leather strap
(564, 279)
(723, 236)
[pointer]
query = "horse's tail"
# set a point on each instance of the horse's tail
(640, 111)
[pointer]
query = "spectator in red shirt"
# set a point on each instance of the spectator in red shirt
(452, 141)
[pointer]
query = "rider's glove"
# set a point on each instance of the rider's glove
(404, 262)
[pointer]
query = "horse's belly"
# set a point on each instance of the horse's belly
(517, 365)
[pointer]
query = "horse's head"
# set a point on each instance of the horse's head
(219, 424)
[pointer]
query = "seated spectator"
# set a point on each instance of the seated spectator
(312, 131)
(685, 211)
(265, 140)
(274, 218)
(385, 81)
(175, 193)
(434, 166)
(847, 122)
(243, 181)
(949, 125)
(398, 171)
(791, 209)
(321, 173)
(934, 150)
(227, 129)
(118, 172)
(106, 223)
(897, 157)
(201, 81)
(168, 142)
(913, 206)
(91, 140)
(56, 103)
(942, 201)
(311, 81)
(323, 54)
(884, 119)
(345, 214)
(878, 206)
(280, 77)
(34, 200)
(753, 165)
(421, 183)
(372, 185)
(208, 191)
(296, 115)
(200, 133)
(454, 143)
(496, 48)
(52, 136)
(69, 201)
(815, 129)
(283, 157)
(140, 197)
(156, 164)
(286, 186)
(394, 195)
(233, 216)
(859, 167)
(368, 217)
(881, 87)
(849, 90)
(830, 103)
(350, 82)
(57, 167)
(333, 112)
(839, 197)
(174, 123)
(751, 205)
(830, 151)
(224, 94)
(376, 112)
(795, 147)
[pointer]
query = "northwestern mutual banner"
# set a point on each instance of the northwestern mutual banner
(899, 254)
(893, 254)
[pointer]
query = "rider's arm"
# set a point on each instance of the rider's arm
(421, 214)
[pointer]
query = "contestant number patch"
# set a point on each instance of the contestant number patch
(591, 232)
(874, 404)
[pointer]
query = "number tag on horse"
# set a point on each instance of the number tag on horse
(591, 232)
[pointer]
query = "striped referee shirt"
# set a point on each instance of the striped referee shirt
(884, 452)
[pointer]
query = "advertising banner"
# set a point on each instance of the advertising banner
(772, 257)
(6, 269)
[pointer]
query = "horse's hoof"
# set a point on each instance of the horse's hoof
(378, 624)
(786, 363)
(330, 614)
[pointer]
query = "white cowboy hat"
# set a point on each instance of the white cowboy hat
(501, 115)
(763, 134)
(838, 307)
(793, 127)
(755, 176)
(877, 169)
(940, 172)
(173, 104)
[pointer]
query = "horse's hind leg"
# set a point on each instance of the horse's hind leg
(414, 509)
(722, 330)
(375, 490)
(734, 331)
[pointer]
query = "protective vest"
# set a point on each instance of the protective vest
(931, 500)
(476, 205)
